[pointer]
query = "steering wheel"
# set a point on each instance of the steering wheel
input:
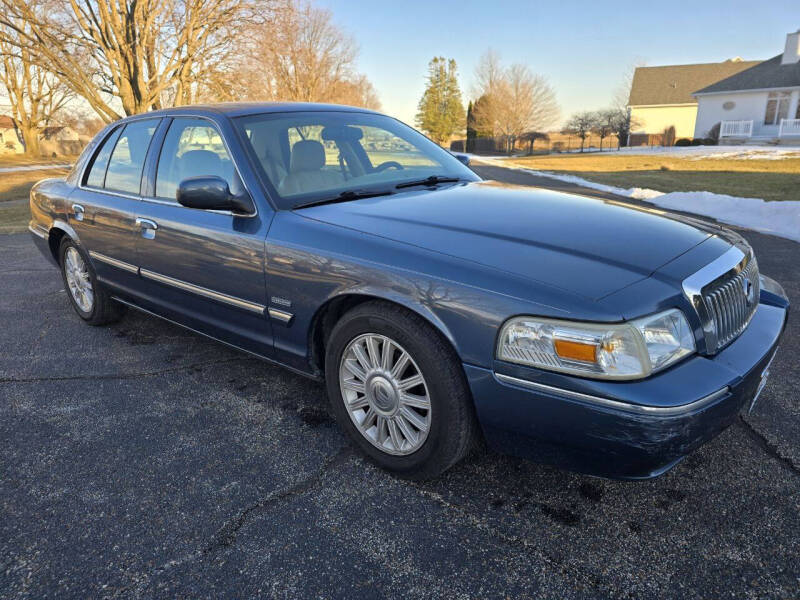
(389, 164)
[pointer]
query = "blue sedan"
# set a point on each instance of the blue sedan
(440, 309)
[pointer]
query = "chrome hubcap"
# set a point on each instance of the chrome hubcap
(385, 394)
(78, 280)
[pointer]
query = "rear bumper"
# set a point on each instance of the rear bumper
(627, 430)
(41, 238)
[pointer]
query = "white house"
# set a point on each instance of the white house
(661, 97)
(758, 104)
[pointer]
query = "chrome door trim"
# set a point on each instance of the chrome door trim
(280, 315)
(229, 213)
(205, 292)
(656, 411)
(98, 190)
(114, 262)
(263, 357)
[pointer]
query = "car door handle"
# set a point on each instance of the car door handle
(78, 212)
(148, 228)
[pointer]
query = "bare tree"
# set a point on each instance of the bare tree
(34, 95)
(623, 121)
(532, 136)
(605, 121)
(511, 101)
(581, 124)
(137, 54)
(306, 58)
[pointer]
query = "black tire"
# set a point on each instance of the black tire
(453, 427)
(104, 310)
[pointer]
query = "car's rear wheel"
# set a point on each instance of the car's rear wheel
(398, 389)
(88, 297)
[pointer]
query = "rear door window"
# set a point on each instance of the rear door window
(97, 170)
(124, 173)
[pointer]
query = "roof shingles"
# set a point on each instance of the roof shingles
(763, 75)
(675, 84)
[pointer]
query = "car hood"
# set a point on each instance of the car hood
(586, 246)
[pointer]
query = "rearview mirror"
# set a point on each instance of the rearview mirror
(463, 158)
(212, 193)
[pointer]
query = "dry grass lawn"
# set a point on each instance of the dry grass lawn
(14, 190)
(758, 178)
(17, 186)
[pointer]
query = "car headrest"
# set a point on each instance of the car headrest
(199, 163)
(342, 132)
(307, 155)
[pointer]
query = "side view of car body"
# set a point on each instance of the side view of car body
(438, 308)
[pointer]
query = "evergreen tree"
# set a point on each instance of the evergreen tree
(441, 112)
(471, 132)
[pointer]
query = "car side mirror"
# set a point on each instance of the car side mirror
(212, 193)
(463, 158)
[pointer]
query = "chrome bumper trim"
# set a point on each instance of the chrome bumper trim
(114, 262)
(657, 411)
(38, 231)
(207, 293)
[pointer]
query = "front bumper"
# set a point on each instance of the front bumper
(626, 430)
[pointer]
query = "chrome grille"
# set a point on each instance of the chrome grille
(725, 294)
(732, 302)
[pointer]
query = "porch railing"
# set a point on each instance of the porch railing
(789, 127)
(736, 129)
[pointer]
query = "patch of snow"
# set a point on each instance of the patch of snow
(690, 152)
(718, 152)
(781, 218)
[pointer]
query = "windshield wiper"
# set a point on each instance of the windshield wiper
(432, 180)
(346, 196)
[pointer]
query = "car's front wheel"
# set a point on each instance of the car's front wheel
(87, 296)
(399, 391)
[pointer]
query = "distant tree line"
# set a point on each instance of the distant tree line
(614, 122)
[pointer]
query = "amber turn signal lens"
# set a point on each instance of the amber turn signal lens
(576, 350)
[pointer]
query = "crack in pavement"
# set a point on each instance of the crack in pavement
(104, 376)
(579, 577)
(225, 536)
(768, 447)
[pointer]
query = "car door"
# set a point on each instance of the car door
(202, 268)
(102, 209)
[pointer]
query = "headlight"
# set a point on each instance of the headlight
(630, 350)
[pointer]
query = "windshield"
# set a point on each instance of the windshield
(312, 156)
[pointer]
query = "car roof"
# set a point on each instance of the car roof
(239, 109)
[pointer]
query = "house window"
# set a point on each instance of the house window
(777, 107)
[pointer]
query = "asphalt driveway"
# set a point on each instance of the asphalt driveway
(141, 460)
